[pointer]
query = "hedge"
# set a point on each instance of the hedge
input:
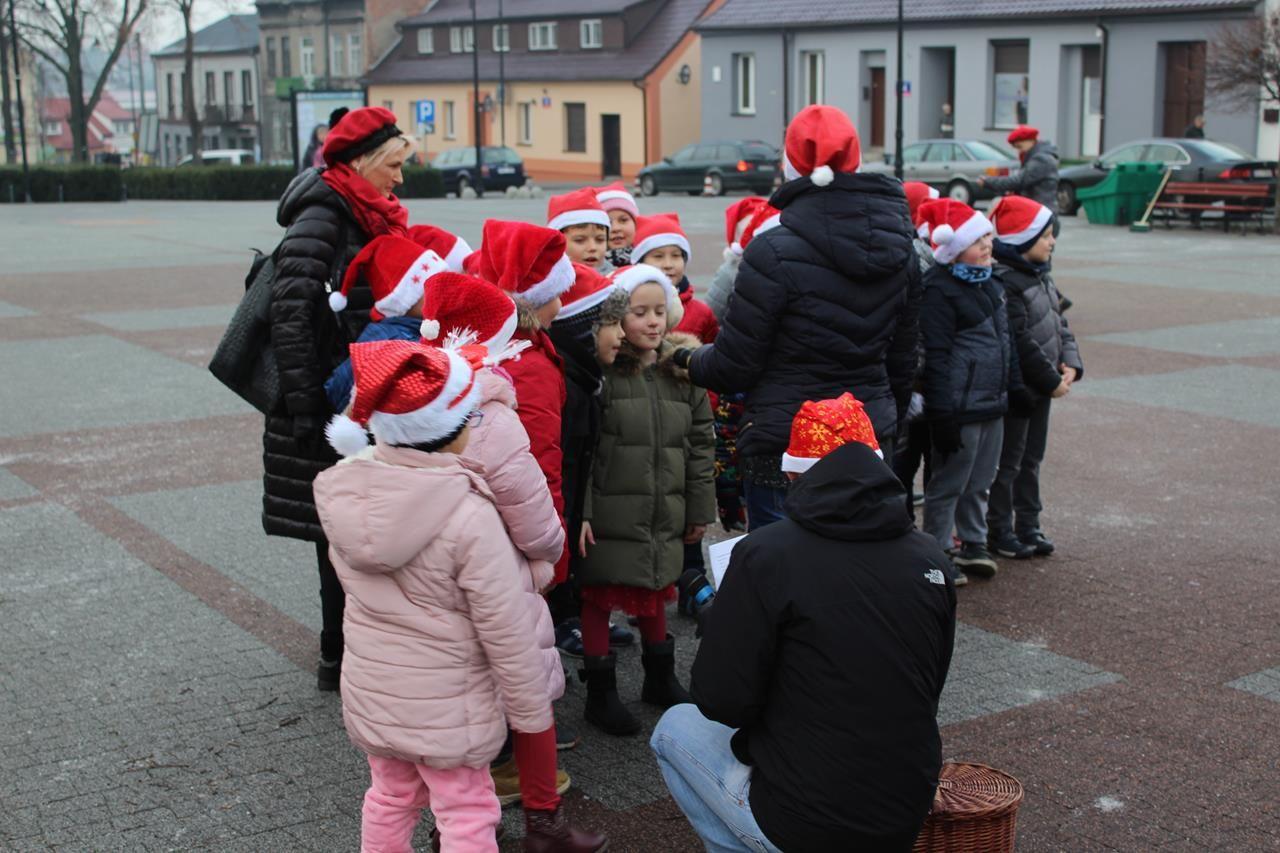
(203, 183)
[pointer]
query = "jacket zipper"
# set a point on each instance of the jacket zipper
(652, 390)
(968, 384)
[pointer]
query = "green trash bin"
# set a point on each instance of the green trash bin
(1123, 195)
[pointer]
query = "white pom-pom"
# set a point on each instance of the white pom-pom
(737, 249)
(430, 330)
(822, 176)
(346, 436)
(943, 234)
(923, 230)
(733, 253)
(337, 301)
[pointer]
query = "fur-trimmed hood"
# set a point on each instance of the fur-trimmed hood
(628, 361)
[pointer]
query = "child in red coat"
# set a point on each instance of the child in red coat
(661, 242)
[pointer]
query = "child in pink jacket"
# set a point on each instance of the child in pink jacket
(438, 660)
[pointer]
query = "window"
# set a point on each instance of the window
(182, 91)
(525, 120)
(591, 34)
(983, 150)
(575, 128)
(1010, 85)
(271, 58)
(542, 36)
(1127, 154)
(501, 38)
(168, 92)
(286, 58)
(449, 129)
(945, 152)
(744, 83)
(462, 40)
(914, 153)
(229, 87)
(54, 127)
(426, 40)
(1170, 154)
(246, 88)
(704, 153)
(500, 156)
(684, 155)
(338, 56)
(814, 65)
(355, 54)
(210, 89)
(307, 58)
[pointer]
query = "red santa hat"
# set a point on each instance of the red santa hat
(767, 218)
(738, 215)
(1023, 132)
(627, 279)
(820, 142)
(589, 290)
(396, 270)
(405, 393)
(1019, 221)
(451, 247)
(654, 232)
(953, 227)
(525, 260)
(359, 132)
(821, 427)
(576, 208)
(616, 197)
(463, 310)
(918, 193)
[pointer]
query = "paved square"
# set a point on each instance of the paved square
(1237, 339)
(13, 487)
(164, 318)
(1265, 684)
(1234, 391)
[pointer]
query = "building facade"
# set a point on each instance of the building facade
(581, 93)
(227, 90)
(1089, 79)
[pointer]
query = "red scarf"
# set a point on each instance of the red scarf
(375, 213)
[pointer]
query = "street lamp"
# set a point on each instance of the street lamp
(475, 98)
(897, 128)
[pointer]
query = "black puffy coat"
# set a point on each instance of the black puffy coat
(827, 648)
(826, 303)
(970, 362)
(309, 342)
(1036, 180)
(1040, 332)
(579, 424)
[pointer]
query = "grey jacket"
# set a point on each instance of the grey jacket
(1040, 332)
(1036, 180)
(717, 296)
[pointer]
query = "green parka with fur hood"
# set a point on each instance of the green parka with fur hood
(653, 472)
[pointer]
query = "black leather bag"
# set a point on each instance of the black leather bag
(244, 360)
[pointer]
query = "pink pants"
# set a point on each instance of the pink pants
(462, 799)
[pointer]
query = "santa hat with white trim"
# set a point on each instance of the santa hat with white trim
(590, 290)
(579, 207)
(616, 197)
(629, 278)
(918, 193)
(396, 270)
(737, 217)
(654, 232)
(821, 427)
(953, 227)
(451, 247)
(1019, 221)
(767, 218)
(461, 307)
(405, 393)
(820, 142)
(525, 260)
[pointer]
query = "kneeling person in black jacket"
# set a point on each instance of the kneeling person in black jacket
(821, 665)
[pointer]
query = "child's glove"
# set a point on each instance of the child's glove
(945, 433)
(681, 357)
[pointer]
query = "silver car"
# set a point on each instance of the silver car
(952, 166)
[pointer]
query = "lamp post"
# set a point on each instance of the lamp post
(897, 127)
(502, 78)
(475, 98)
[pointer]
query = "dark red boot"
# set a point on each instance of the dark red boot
(550, 832)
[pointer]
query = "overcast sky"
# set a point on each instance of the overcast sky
(165, 25)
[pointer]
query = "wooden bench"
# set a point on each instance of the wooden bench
(1236, 202)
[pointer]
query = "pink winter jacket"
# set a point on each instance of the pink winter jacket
(437, 623)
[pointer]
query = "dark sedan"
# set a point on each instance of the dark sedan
(1190, 159)
(715, 166)
(502, 168)
(951, 166)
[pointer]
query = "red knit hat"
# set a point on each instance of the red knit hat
(1021, 132)
(738, 213)
(405, 393)
(576, 208)
(820, 142)
(1018, 220)
(819, 428)
(396, 270)
(463, 310)
(918, 193)
(451, 247)
(654, 232)
(359, 132)
(953, 227)
(616, 197)
(589, 290)
(525, 260)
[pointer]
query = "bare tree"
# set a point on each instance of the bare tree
(1243, 65)
(194, 121)
(58, 30)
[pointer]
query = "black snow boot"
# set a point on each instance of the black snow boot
(660, 685)
(604, 709)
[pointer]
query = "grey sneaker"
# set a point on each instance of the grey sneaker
(975, 559)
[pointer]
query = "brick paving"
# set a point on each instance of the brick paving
(156, 683)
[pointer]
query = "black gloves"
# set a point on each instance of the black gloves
(681, 357)
(945, 433)
(1021, 402)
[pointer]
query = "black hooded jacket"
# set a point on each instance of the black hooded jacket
(827, 648)
(579, 423)
(826, 303)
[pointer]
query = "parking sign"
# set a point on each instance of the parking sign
(426, 112)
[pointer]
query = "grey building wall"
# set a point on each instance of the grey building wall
(719, 121)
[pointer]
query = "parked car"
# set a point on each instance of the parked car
(1190, 160)
(221, 157)
(722, 166)
(502, 168)
(952, 166)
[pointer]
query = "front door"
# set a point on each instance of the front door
(1183, 85)
(611, 141)
(877, 107)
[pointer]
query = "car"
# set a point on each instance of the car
(1202, 160)
(502, 168)
(952, 166)
(716, 167)
(221, 157)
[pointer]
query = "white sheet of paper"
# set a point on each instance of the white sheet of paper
(720, 554)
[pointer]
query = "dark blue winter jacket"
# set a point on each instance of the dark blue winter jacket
(338, 386)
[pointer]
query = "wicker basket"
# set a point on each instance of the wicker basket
(974, 811)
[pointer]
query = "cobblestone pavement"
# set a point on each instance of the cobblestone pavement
(156, 679)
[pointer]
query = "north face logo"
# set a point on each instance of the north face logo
(935, 576)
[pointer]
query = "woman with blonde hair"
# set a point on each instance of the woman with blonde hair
(329, 215)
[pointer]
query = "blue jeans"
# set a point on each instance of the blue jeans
(708, 783)
(764, 504)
